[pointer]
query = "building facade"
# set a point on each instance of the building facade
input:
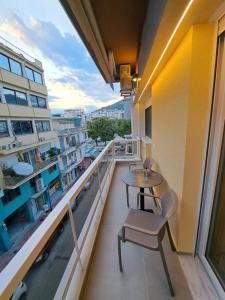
(27, 142)
(72, 144)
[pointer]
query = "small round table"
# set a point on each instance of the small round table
(137, 179)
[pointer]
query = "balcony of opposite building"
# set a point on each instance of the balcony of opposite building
(13, 181)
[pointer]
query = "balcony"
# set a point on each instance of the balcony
(78, 271)
(12, 182)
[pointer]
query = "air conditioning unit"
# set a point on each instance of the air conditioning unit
(125, 80)
(39, 185)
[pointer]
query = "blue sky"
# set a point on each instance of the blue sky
(43, 30)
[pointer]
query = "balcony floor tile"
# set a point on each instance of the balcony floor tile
(143, 277)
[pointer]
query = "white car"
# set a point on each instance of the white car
(20, 291)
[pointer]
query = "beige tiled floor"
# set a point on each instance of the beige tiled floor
(143, 277)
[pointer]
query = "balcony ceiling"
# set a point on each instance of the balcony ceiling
(120, 24)
(111, 25)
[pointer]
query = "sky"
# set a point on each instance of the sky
(43, 30)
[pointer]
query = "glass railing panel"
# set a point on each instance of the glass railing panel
(125, 148)
(58, 231)
(43, 278)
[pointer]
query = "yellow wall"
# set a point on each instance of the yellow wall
(181, 97)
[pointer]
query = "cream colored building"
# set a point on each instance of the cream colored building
(26, 136)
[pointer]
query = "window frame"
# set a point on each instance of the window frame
(33, 75)
(7, 58)
(37, 100)
(13, 60)
(15, 96)
(6, 134)
(9, 197)
(41, 123)
(20, 127)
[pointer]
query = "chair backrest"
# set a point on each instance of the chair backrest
(148, 163)
(168, 204)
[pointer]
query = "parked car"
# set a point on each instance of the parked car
(88, 183)
(43, 255)
(20, 292)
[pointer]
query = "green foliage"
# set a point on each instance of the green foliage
(105, 128)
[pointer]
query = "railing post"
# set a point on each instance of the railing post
(113, 150)
(73, 228)
(99, 184)
(138, 147)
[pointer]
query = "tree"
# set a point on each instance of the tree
(101, 127)
(122, 127)
(105, 128)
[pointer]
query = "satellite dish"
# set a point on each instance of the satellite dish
(23, 169)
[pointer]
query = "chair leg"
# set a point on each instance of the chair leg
(173, 248)
(119, 254)
(166, 269)
(153, 193)
(127, 193)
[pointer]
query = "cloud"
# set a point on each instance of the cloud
(72, 78)
(75, 97)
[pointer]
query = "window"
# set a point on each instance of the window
(46, 126)
(34, 100)
(22, 127)
(10, 195)
(29, 73)
(148, 122)
(38, 77)
(42, 102)
(3, 129)
(52, 169)
(10, 64)
(30, 157)
(21, 98)
(15, 66)
(15, 97)
(4, 62)
(10, 96)
(42, 126)
(37, 101)
(39, 126)
(33, 75)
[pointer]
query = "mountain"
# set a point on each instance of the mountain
(117, 105)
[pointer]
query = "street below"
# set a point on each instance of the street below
(43, 279)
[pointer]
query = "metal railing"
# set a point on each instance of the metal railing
(94, 182)
(20, 52)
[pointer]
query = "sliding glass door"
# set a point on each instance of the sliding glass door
(211, 238)
(215, 249)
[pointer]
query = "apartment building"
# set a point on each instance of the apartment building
(72, 143)
(27, 145)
